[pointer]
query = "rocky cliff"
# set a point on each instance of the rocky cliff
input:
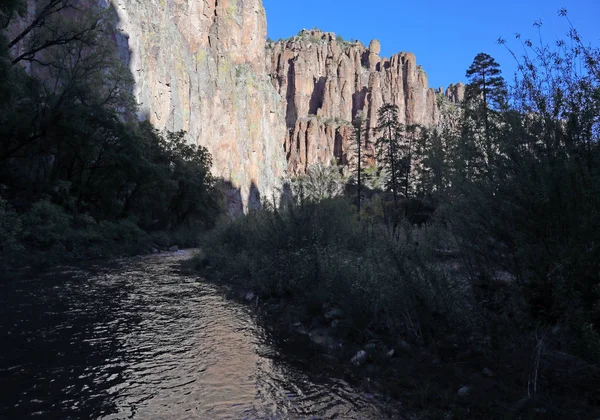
(199, 67)
(327, 81)
(261, 108)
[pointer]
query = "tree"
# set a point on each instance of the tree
(8, 10)
(487, 88)
(71, 151)
(193, 198)
(407, 147)
(320, 182)
(81, 71)
(485, 99)
(486, 82)
(434, 160)
(55, 23)
(534, 211)
(389, 148)
(359, 155)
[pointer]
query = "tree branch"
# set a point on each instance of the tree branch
(47, 11)
(78, 36)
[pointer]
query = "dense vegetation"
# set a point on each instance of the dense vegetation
(480, 247)
(79, 175)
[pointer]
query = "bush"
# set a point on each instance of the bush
(319, 255)
(46, 229)
(10, 232)
(51, 235)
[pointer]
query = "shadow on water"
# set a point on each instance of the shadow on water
(55, 333)
(139, 338)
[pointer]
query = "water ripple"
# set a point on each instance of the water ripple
(138, 339)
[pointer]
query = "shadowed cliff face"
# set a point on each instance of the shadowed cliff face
(326, 82)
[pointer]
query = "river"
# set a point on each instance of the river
(142, 338)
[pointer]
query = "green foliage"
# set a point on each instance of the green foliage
(86, 177)
(318, 183)
(320, 255)
(344, 42)
(433, 172)
(51, 235)
(47, 234)
(374, 178)
(10, 232)
(524, 184)
(486, 82)
(394, 150)
(46, 226)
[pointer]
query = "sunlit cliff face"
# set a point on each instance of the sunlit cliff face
(199, 66)
(262, 110)
(327, 82)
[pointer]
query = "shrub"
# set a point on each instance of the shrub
(320, 182)
(45, 227)
(10, 232)
(51, 235)
(319, 255)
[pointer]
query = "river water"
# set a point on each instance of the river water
(141, 338)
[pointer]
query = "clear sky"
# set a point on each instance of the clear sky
(444, 35)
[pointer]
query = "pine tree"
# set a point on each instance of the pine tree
(487, 87)
(359, 155)
(486, 82)
(432, 154)
(408, 143)
(389, 147)
(485, 98)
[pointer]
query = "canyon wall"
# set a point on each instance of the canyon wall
(326, 81)
(263, 109)
(199, 67)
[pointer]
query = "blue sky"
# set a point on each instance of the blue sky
(444, 35)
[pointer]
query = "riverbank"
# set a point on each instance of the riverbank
(47, 235)
(447, 379)
(394, 366)
(400, 314)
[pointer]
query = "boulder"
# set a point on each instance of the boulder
(404, 347)
(334, 313)
(359, 358)
(488, 372)
(371, 347)
(464, 391)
